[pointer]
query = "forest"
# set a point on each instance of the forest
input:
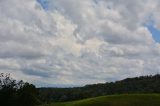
(142, 84)
(19, 93)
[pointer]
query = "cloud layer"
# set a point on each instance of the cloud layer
(77, 42)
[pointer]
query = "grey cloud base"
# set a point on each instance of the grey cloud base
(77, 42)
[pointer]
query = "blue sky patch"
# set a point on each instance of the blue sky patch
(44, 4)
(155, 33)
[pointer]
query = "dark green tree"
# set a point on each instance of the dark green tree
(27, 95)
(16, 93)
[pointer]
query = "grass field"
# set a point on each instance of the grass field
(116, 100)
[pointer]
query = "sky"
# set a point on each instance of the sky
(63, 43)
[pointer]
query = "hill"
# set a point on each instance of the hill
(116, 100)
(143, 84)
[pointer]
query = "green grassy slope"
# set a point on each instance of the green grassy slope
(116, 100)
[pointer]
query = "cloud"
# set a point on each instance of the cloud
(78, 42)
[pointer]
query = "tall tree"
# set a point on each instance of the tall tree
(16, 93)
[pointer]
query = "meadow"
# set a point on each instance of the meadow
(115, 100)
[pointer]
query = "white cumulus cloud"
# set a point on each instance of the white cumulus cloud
(77, 42)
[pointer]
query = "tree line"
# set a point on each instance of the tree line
(19, 93)
(143, 84)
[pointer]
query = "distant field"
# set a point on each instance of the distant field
(116, 100)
